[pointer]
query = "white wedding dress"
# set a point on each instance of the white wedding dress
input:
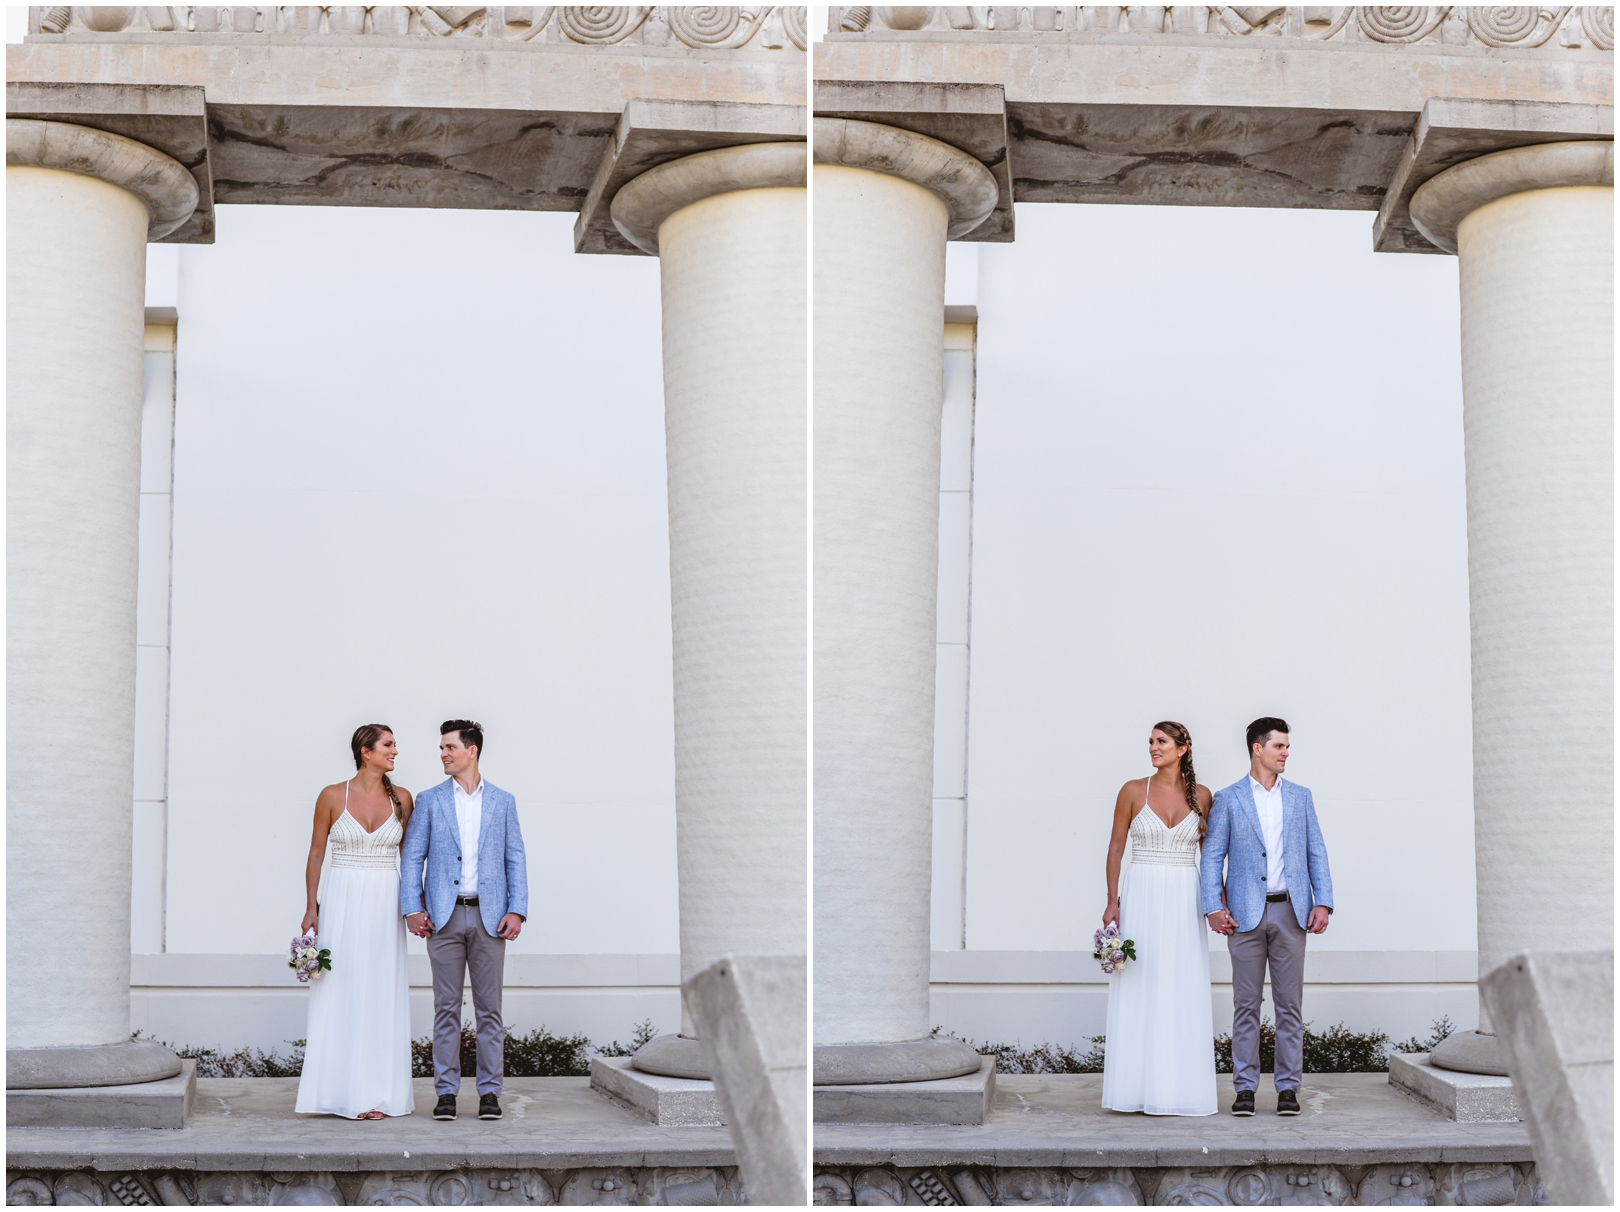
(358, 1055)
(1159, 1055)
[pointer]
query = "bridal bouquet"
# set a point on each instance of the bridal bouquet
(308, 962)
(1111, 951)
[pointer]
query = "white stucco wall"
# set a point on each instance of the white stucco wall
(1217, 474)
(418, 473)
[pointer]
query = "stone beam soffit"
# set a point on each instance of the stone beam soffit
(757, 28)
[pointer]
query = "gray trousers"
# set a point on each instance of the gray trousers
(464, 946)
(1277, 940)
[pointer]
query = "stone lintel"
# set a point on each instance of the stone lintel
(665, 1101)
(170, 118)
(653, 132)
(951, 1100)
(969, 117)
(1452, 130)
(159, 1104)
(1468, 1098)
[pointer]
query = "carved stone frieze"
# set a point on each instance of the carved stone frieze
(703, 28)
(1267, 1185)
(655, 1186)
(1565, 28)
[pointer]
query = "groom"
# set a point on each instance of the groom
(1277, 890)
(466, 831)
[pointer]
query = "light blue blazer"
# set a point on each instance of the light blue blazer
(1236, 841)
(434, 838)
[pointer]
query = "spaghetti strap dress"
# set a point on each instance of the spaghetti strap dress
(1159, 1055)
(358, 1054)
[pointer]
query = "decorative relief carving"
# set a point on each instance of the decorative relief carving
(1414, 1184)
(612, 1187)
(701, 28)
(1431, 26)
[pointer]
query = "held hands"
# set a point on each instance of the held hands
(1318, 921)
(511, 924)
(1221, 922)
(419, 923)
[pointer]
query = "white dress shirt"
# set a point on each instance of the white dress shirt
(1269, 805)
(469, 816)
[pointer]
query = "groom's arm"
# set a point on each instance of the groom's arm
(1217, 840)
(412, 854)
(1316, 857)
(517, 866)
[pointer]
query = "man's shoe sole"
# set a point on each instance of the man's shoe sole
(485, 1115)
(1294, 1111)
(436, 1115)
(1243, 1114)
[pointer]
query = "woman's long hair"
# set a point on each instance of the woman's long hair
(1181, 736)
(366, 737)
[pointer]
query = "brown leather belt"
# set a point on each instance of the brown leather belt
(466, 900)
(1273, 897)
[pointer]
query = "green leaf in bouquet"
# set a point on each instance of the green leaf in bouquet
(1129, 947)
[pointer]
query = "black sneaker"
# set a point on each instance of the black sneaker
(489, 1107)
(445, 1108)
(1244, 1103)
(1287, 1102)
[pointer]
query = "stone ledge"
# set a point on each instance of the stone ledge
(665, 1101)
(951, 1100)
(1468, 1098)
(159, 1104)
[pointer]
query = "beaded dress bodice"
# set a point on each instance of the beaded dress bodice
(1152, 841)
(353, 847)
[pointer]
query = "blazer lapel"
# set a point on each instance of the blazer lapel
(1253, 813)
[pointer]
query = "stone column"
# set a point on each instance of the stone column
(1533, 229)
(886, 202)
(82, 205)
(728, 227)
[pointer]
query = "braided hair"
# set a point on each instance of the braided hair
(366, 737)
(1181, 736)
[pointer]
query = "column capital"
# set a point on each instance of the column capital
(966, 186)
(160, 181)
(1444, 201)
(642, 204)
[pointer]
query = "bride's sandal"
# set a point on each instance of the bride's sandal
(370, 1115)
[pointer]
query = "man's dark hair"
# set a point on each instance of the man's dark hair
(472, 734)
(1258, 731)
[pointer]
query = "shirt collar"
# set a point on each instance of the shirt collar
(468, 794)
(1259, 788)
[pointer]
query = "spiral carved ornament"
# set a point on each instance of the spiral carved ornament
(1599, 26)
(1410, 23)
(599, 25)
(793, 25)
(1502, 25)
(702, 25)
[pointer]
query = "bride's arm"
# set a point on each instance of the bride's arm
(325, 803)
(1116, 851)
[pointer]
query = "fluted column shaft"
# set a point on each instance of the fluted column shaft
(729, 229)
(81, 204)
(1533, 229)
(886, 201)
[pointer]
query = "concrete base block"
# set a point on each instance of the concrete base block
(951, 1100)
(666, 1101)
(1468, 1098)
(160, 1104)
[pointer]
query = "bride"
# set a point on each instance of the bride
(357, 1062)
(1159, 1054)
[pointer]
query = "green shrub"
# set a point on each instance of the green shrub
(645, 1031)
(244, 1062)
(1336, 1050)
(537, 1054)
(1440, 1029)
